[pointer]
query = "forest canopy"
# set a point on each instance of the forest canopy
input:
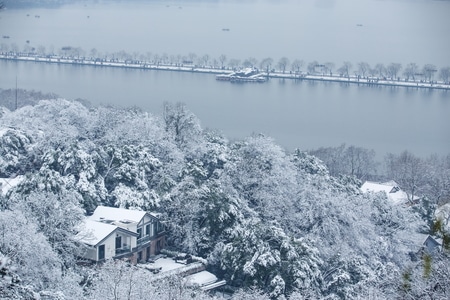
(286, 225)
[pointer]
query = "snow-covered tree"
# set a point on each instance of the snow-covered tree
(261, 254)
(263, 175)
(14, 152)
(128, 175)
(57, 217)
(182, 125)
(20, 240)
(119, 281)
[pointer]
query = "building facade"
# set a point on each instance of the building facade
(121, 234)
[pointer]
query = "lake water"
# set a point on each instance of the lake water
(296, 114)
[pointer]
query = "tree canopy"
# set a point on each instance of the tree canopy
(284, 224)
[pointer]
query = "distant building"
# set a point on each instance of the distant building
(391, 189)
(121, 233)
(422, 244)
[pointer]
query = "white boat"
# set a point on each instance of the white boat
(244, 75)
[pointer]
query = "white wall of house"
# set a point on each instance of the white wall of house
(110, 246)
(127, 240)
(90, 252)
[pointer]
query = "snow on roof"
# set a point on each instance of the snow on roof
(415, 238)
(8, 183)
(390, 183)
(376, 187)
(166, 264)
(92, 232)
(117, 214)
(201, 278)
(390, 188)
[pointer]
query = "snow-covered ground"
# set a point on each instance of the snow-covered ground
(194, 273)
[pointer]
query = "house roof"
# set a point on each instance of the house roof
(8, 183)
(390, 188)
(376, 187)
(122, 215)
(93, 232)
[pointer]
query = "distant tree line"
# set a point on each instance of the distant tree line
(424, 176)
(411, 72)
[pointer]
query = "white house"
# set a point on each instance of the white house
(390, 188)
(104, 241)
(121, 233)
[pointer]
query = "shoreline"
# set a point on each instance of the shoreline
(369, 81)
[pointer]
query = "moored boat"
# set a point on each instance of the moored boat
(244, 75)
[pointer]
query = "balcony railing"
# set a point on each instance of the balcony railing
(124, 249)
(147, 238)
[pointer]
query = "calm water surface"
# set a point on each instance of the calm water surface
(296, 114)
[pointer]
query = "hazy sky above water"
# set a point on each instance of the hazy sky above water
(324, 30)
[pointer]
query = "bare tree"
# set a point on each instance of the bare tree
(233, 63)
(266, 64)
(373, 72)
(408, 171)
(329, 67)
(222, 59)
(437, 186)
(345, 69)
(250, 62)
(172, 59)
(428, 71)
(444, 74)
(192, 57)
(204, 60)
(360, 162)
(282, 63)
(380, 69)
(363, 68)
(410, 71)
(215, 63)
(296, 65)
(352, 160)
(93, 53)
(393, 69)
(156, 59)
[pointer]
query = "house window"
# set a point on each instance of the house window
(118, 242)
(147, 229)
(101, 252)
(139, 232)
(154, 228)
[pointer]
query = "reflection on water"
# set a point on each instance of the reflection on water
(298, 114)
